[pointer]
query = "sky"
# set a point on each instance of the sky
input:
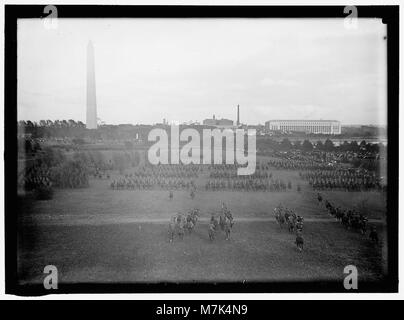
(148, 70)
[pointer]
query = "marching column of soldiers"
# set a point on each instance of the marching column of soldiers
(293, 221)
(342, 179)
(350, 219)
(246, 183)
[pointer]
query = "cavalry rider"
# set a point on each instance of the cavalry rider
(226, 212)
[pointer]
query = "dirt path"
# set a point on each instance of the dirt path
(113, 219)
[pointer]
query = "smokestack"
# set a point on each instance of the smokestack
(238, 115)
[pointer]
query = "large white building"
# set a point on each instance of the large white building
(307, 126)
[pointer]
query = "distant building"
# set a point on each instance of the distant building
(307, 126)
(219, 123)
(259, 128)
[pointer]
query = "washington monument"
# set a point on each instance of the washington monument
(91, 120)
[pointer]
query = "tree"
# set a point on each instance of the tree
(362, 145)
(345, 146)
(307, 146)
(297, 144)
(329, 145)
(286, 144)
(72, 123)
(319, 145)
(354, 146)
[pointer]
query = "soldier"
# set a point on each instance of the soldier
(373, 235)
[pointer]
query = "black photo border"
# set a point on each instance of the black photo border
(390, 16)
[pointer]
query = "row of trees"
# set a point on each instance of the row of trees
(77, 130)
(328, 145)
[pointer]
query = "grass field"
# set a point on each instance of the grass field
(96, 234)
(257, 251)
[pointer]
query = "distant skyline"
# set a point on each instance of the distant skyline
(148, 70)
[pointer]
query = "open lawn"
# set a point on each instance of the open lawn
(257, 251)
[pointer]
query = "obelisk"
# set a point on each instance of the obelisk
(91, 121)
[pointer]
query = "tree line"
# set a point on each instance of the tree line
(328, 146)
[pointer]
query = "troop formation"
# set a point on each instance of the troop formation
(224, 177)
(159, 176)
(129, 182)
(291, 164)
(181, 224)
(350, 219)
(224, 221)
(342, 179)
(35, 177)
(293, 221)
(247, 183)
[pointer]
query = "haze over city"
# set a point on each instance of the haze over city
(148, 70)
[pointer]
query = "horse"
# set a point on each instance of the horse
(176, 226)
(222, 221)
(291, 223)
(280, 219)
(345, 221)
(212, 231)
(299, 242)
(299, 226)
(227, 229)
(189, 225)
(193, 216)
(225, 224)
